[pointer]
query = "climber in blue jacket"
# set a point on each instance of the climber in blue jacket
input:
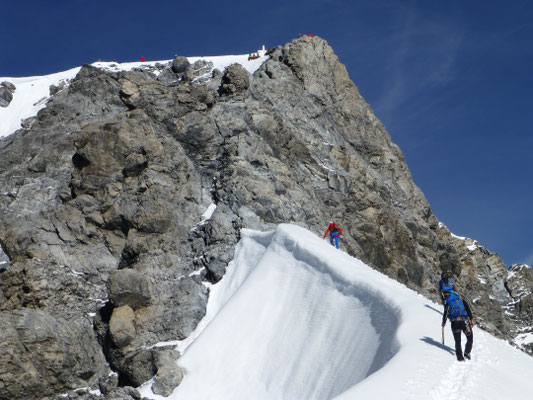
(457, 310)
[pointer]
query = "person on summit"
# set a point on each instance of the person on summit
(334, 233)
(457, 310)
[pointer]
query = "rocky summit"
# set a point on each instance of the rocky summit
(105, 245)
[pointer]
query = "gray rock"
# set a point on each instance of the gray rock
(167, 76)
(180, 65)
(200, 64)
(5, 96)
(169, 374)
(124, 393)
(121, 326)
(139, 367)
(56, 88)
(234, 80)
(128, 287)
(9, 86)
(42, 354)
(108, 384)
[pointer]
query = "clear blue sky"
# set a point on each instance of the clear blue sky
(451, 80)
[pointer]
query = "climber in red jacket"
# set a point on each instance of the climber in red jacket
(334, 233)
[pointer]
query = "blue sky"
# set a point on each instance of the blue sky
(451, 80)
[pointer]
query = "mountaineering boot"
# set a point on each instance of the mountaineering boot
(467, 355)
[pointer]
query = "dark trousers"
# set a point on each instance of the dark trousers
(463, 326)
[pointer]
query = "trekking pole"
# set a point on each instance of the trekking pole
(443, 335)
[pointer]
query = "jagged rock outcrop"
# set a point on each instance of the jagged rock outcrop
(87, 205)
(6, 93)
(103, 196)
(235, 80)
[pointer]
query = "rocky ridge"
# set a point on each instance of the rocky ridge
(104, 252)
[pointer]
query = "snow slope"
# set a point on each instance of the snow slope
(294, 318)
(32, 93)
(30, 96)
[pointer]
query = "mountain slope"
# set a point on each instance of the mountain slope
(106, 195)
(294, 318)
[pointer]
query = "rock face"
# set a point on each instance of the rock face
(519, 284)
(35, 343)
(103, 196)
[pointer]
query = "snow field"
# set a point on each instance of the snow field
(295, 319)
(30, 96)
(312, 337)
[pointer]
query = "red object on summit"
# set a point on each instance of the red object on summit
(143, 59)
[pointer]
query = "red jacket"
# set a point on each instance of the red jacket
(331, 227)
